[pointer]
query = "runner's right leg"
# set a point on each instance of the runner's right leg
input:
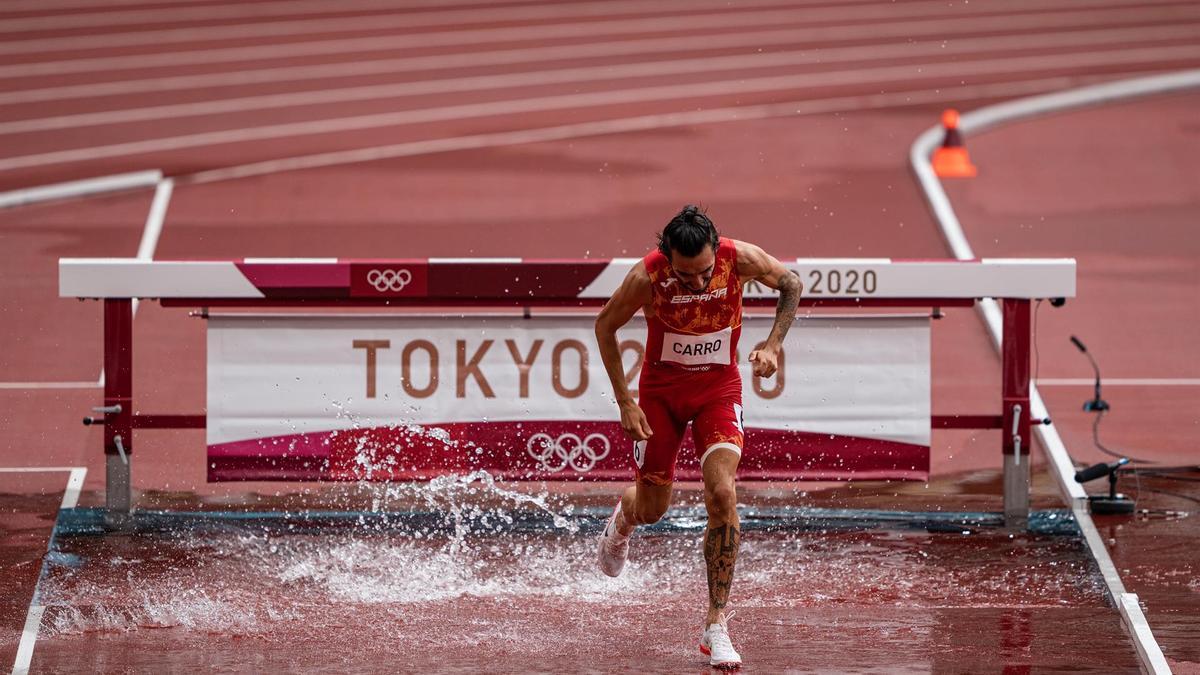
(647, 500)
(643, 504)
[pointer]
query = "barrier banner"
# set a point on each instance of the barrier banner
(402, 397)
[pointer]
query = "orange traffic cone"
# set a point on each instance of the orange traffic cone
(951, 160)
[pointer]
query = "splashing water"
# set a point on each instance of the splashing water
(459, 496)
(248, 584)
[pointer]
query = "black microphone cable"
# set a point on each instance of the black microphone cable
(1155, 471)
(1100, 406)
(1167, 473)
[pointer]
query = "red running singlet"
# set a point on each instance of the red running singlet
(692, 331)
(690, 372)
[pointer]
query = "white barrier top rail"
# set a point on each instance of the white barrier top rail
(430, 280)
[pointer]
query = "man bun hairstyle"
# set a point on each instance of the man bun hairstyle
(688, 233)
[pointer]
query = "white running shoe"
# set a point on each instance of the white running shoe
(715, 644)
(613, 548)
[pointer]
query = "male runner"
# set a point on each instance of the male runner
(690, 290)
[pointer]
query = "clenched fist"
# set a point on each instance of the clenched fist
(764, 362)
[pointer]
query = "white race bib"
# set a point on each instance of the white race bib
(697, 350)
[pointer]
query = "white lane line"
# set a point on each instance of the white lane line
(210, 12)
(1137, 625)
(750, 37)
(42, 469)
(576, 13)
(74, 487)
(592, 30)
(712, 64)
(889, 74)
(48, 385)
(1148, 650)
(1122, 382)
(151, 231)
(79, 188)
(625, 125)
(45, 5)
(541, 55)
(33, 617)
(33, 622)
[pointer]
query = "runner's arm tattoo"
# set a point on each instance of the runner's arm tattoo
(785, 309)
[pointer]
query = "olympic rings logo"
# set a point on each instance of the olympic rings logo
(556, 454)
(389, 280)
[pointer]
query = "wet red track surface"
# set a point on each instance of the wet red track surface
(1113, 187)
(809, 601)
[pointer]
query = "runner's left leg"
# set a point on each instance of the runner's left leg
(721, 542)
(723, 537)
(717, 430)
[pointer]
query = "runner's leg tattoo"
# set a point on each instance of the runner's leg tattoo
(720, 554)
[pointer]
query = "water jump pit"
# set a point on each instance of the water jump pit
(467, 574)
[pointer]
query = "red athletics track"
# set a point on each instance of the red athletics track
(833, 182)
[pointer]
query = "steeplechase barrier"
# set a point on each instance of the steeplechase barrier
(327, 369)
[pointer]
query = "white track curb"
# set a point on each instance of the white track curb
(80, 188)
(1148, 650)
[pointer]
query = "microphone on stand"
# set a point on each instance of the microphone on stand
(1113, 502)
(1097, 404)
(1097, 470)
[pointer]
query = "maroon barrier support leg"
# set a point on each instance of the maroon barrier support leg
(1015, 427)
(118, 404)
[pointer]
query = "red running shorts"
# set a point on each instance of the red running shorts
(710, 400)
